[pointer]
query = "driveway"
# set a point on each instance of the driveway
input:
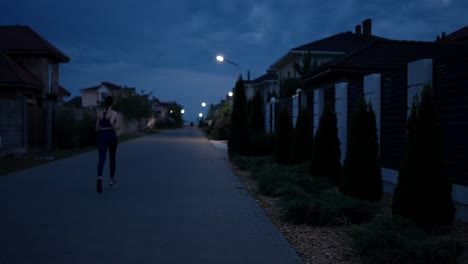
(176, 201)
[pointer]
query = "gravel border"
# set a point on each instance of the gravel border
(326, 244)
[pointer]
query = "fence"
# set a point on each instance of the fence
(13, 125)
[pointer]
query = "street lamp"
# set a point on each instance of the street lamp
(203, 104)
(200, 115)
(182, 111)
(230, 94)
(220, 58)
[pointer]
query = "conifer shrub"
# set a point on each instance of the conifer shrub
(260, 142)
(326, 153)
(283, 137)
(362, 175)
(302, 139)
(423, 191)
(238, 138)
(397, 240)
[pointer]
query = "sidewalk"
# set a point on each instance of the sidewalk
(176, 201)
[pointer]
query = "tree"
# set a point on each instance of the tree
(362, 175)
(238, 138)
(326, 153)
(257, 117)
(176, 115)
(302, 139)
(423, 191)
(131, 105)
(283, 137)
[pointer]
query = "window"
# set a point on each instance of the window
(51, 78)
(103, 96)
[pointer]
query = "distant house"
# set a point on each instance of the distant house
(93, 96)
(30, 89)
(30, 66)
(266, 84)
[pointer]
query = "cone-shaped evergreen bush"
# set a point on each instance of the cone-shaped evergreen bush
(302, 139)
(423, 191)
(257, 117)
(283, 137)
(238, 139)
(326, 153)
(362, 175)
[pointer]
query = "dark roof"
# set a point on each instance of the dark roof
(109, 85)
(14, 74)
(63, 91)
(459, 35)
(23, 40)
(342, 42)
(381, 56)
(269, 76)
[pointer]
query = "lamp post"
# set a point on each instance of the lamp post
(220, 58)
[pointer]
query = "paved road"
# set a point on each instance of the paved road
(176, 201)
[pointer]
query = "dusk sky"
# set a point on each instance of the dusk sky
(169, 47)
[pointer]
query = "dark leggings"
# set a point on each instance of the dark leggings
(107, 140)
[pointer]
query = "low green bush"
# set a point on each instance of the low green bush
(326, 207)
(398, 240)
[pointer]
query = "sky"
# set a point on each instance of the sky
(169, 47)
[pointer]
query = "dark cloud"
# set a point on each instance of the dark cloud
(169, 46)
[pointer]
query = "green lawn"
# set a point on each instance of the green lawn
(14, 164)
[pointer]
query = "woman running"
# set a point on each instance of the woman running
(106, 126)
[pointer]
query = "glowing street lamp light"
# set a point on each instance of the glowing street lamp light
(200, 115)
(220, 58)
(203, 104)
(230, 94)
(182, 111)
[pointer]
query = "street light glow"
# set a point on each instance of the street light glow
(230, 94)
(182, 111)
(220, 58)
(203, 104)
(200, 115)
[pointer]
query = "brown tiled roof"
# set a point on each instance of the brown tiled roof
(14, 74)
(380, 56)
(23, 40)
(109, 85)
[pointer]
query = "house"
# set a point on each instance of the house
(30, 66)
(267, 85)
(92, 96)
(30, 89)
(324, 50)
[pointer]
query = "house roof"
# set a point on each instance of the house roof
(335, 45)
(110, 86)
(270, 75)
(24, 40)
(380, 56)
(459, 35)
(14, 74)
(63, 91)
(342, 42)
